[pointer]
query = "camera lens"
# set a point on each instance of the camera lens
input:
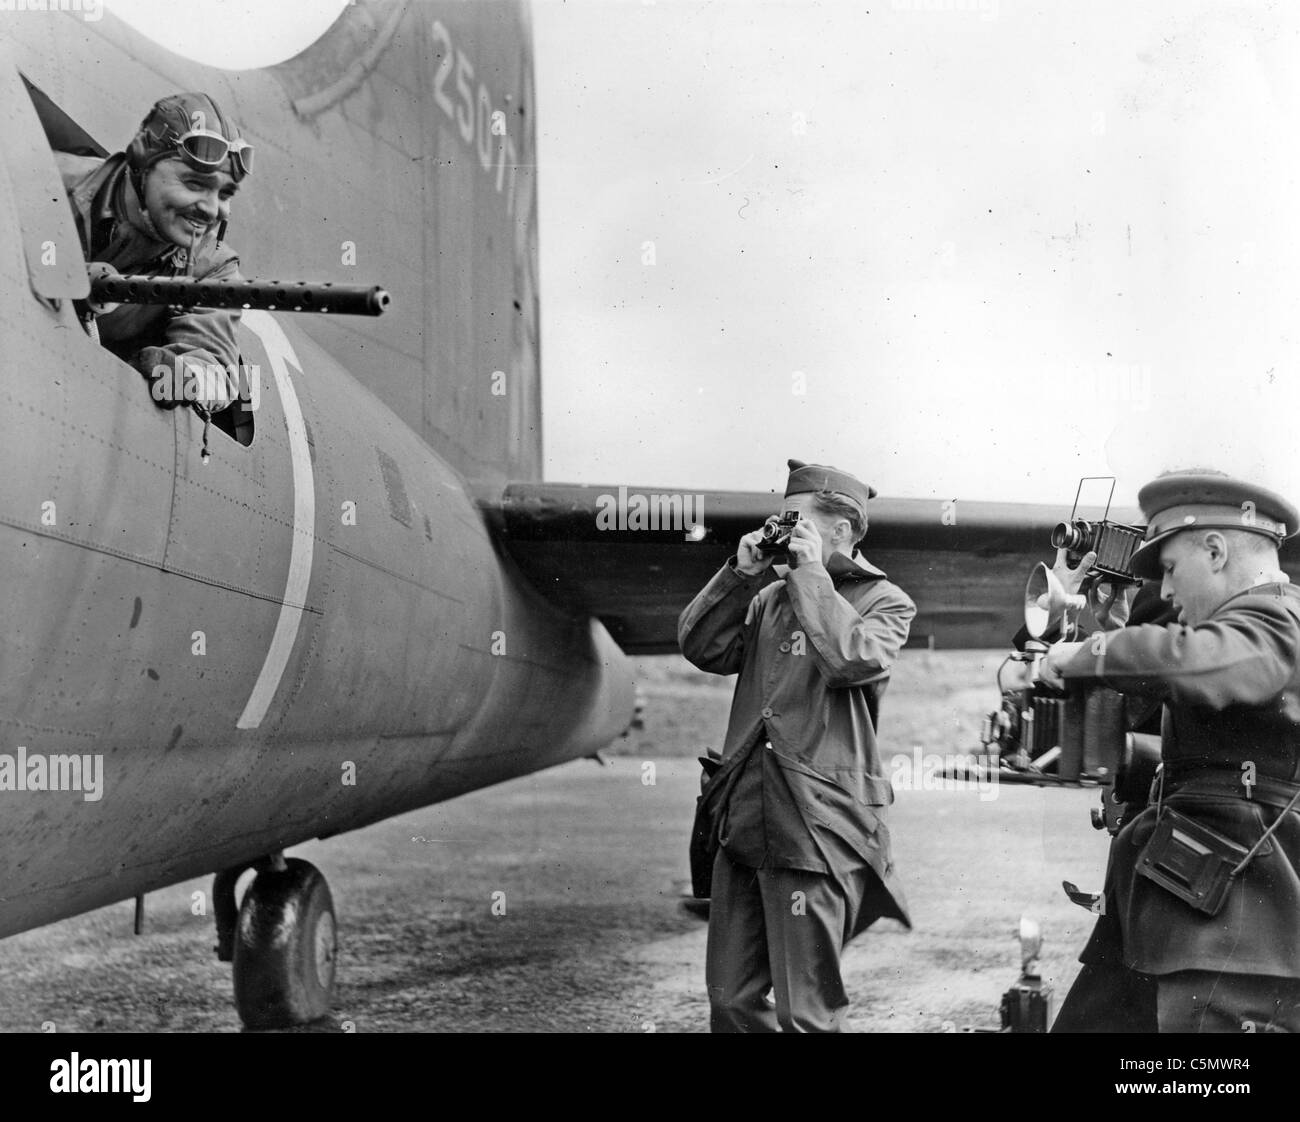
(1070, 535)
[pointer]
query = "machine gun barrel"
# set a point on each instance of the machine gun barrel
(272, 296)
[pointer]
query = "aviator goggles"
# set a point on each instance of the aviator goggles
(207, 151)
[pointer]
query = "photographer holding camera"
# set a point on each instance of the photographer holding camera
(1202, 895)
(795, 811)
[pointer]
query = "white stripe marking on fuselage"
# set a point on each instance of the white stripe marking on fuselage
(280, 352)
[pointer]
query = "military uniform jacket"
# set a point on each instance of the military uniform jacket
(814, 652)
(1231, 693)
(107, 215)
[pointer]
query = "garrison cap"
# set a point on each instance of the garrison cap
(819, 477)
(1204, 500)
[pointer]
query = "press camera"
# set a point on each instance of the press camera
(1081, 736)
(1113, 542)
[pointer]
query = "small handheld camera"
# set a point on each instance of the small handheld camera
(776, 534)
(1113, 542)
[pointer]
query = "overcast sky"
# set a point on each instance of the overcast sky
(964, 248)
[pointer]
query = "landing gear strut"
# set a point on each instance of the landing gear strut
(281, 940)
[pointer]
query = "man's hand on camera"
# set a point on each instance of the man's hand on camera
(1111, 603)
(749, 561)
(805, 544)
(1049, 669)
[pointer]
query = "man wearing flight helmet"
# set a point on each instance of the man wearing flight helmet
(161, 208)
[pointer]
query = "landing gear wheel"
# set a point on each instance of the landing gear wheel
(285, 948)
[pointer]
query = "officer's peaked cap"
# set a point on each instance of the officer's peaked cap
(1207, 500)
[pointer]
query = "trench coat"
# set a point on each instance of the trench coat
(814, 652)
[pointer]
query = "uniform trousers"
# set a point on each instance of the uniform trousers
(778, 930)
(1108, 997)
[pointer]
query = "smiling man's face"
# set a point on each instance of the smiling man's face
(185, 204)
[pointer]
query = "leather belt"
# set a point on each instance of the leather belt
(1267, 790)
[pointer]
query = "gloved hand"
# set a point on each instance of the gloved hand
(209, 386)
(186, 380)
(1072, 579)
(165, 387)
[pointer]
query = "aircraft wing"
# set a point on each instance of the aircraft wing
(632, 562)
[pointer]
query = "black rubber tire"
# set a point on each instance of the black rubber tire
(286, 947)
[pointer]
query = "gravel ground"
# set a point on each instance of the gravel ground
(592, 862)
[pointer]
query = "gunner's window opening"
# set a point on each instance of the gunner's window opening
(62, 132)
(67, 139)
